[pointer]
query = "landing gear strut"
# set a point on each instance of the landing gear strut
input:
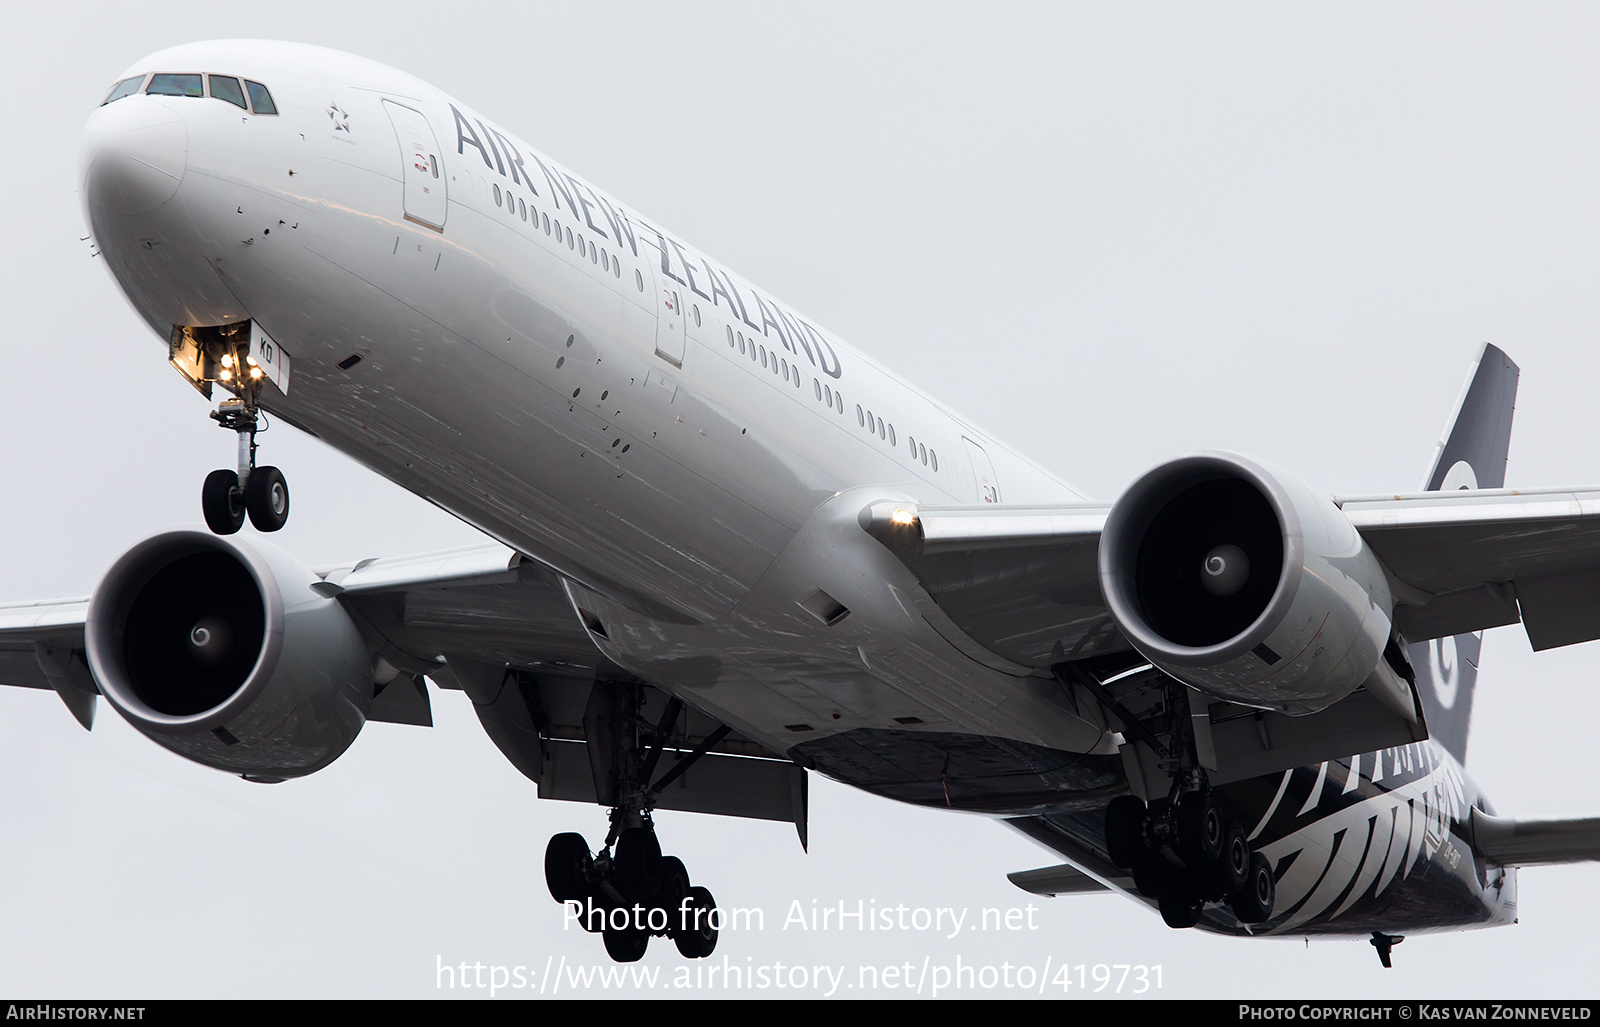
(262, 493)
(629, 892)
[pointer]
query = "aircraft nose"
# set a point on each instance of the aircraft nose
(135, 151)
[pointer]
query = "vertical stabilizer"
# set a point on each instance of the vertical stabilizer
(1471, 455)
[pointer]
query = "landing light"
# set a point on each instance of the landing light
(227, 360)
(903, 517)
(255, 372)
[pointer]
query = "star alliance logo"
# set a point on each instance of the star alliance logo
(339, 117)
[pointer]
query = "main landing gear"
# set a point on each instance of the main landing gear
(261, 493)
(630, 892)
(1186, 852)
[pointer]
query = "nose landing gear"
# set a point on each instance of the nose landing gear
(261, 493)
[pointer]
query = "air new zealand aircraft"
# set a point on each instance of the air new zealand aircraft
(731, 550)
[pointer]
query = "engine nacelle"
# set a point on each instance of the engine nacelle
(1243, 583)
(220, 651)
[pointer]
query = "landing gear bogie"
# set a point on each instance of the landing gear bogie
(630, 893)
(1187, 854)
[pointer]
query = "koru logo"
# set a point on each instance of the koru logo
(1460, 476)
(1445, 663)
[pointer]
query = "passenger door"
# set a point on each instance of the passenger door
(425, 202)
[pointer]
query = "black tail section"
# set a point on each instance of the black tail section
(1471, 455)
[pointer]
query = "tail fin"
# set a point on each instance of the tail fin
(1471, 455)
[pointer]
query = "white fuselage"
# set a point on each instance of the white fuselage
(690, 454)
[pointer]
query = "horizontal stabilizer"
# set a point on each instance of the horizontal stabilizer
(1529, 843)
(1065, 879)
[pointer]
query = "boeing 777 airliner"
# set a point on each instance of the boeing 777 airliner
(731, 549)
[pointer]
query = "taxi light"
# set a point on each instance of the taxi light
(227, 360)
(251, 361)
(255, 372)
(903, 517)
(227, 375)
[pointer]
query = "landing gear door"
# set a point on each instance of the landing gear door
(983, 472)
(425, 199)
(670, 328)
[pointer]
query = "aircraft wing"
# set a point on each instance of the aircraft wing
(1472, 559)
(478, 599)
(483, 620)
(1021, 580)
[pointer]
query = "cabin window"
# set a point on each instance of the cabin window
(175, 85)
(859, 420)
(569, 239)
(891, 435)
(816, 387)
(697, 315)
(924, 451)
(226, 87)
(638, 279)
(497, 196)
(546, 219)
(730, 335)
(260, 99)
(522, 208)
(127, 87)
(933, 458)
(882, 432)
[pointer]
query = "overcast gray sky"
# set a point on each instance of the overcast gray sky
(1110, 234)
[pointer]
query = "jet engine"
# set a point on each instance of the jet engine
(220, 651)
(1240, 581)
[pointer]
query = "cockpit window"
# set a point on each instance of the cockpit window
(127, 87)
(260, 99)
(226, 87)
(175, 85)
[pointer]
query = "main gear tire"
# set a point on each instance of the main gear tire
(567, 866)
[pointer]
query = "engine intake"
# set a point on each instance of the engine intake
(221, 652)
(1240, 581)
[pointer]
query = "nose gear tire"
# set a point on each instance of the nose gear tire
(267, 498)
(222, 503)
